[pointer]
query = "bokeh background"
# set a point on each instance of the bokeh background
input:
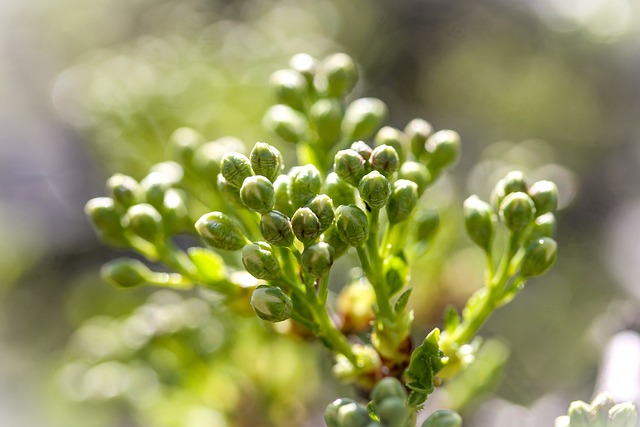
(87, 89)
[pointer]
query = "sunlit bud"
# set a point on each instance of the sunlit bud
(317, 259)
(124, 190)
(443, 418)
(362, 148)
(340, 191)
(332, 237)
(171, 171)
(145, 221)
(581, 415)
(306, 225)
(271, 304)
(393, 412)
(539, 257)
(331, 413)
(427, 225)
(184, 142)
(290, 88)
(125, 273)
(266, 160)
(174, 209)
(322, 207)
(336, 76)
(416, 172)
(393, 137)
(442, 148)
(207, 158)
(355, 306)
(363, 117)
(387, 388)
(623, 415)
(305, 64)
(281, 187)
(543, 226)
(479, 221)
(103, 215)
(514, 181)
(403, 199)
(220, 231)
(385, 160)
(257, 194)
(353, 415)
(260, 261)
(417, 132)
(349, 166)
(154, 185)
(545, 196)
(374, 189)
(352, 224)
(517, 211)
(229, 192)
(306, 183)
(276, 229)
(235, 167)
(326, 114)
(287, 123)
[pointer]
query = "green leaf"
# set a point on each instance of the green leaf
(426, 362)
(402, 301)
(396, 273)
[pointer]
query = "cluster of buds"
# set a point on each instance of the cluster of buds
(601, 412)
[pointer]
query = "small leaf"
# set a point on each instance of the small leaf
(402, 301)
(426, 362)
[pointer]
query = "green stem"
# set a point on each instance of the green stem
(324, 289)
(376, 278)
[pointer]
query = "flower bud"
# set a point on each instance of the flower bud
(306, 225)
(416, 172)
(317, 259)
(349, 166)
(362, 148)
(581, 415)
(362, 118)
(355, 306)
(392, 137)
(281, 187)
(174, 210)
(543, 226)
(229, 192)
(276, 229)
(339, 191)
(403, 199)
(374, 189)
(305, 64)
(385, 160)
(260, 261)
(146, 222)
(352, 225)
(271, 304)
(514, 181)
(326, 114)
(443, 418)
(220, 231)
(393, 412)
(545, 196)
(331, 413)
(287, 123)
(290, 88)
(184, 142)
(353, 415)
(479, 221)
(332, 237)
(125, 273)
(306, 183)
(337, 75)
(257, 194)
(417, 132)
(103, 215)
(124, 190)
(388, 388)
(623, 415)
(207, 158)
(517, 211)
(235, 168)
(427, 225)
(442, 148)
(539, 257)
(154, 186)
(322, 207)
(266, 160)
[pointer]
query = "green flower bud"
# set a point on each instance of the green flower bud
(287, 123)
(184, 142)
(352, 225)
(363, 117)
(374, 189)
(337, 75)
(543, 226)
(306, 225)
(322, 207)
(442, 148)
(305, 64)
(601, 405)
(385, 160)
(207, 158)
(393, 412)
(427, 225)
(539, 257)
(581, 414)
(387, 388)
(124, 190)
(146, 222)
(220, 231)
(623, 415)
(235, 168)
(403, 199)
(326, 114)
(257, 194)
(349, 166)
(417, 132)
(125, 273)
(281, 187)
(362, 148)
(513, 182)
(266, 160)
(290, 88)
(103, 215)
(317, 259)
(331, 413)
(171, 171)
(271, 304)
(276, 229)
(260, 261)
(416, 172)
(339, 191)
(229, 192)
(443, 418)
(353, 415)
(545, 196)
(479, 221)
(392, 137)
(517, 211)
(332, 237)
(155, 185)
(174, 209)
(306, 183)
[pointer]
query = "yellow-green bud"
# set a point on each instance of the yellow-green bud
(443, 418)
(103, 215)
(416, 172)
(385, 160)
(363, 117)
(442, 148)
(145, 221)
(281, 187)
(362, 148)
(340, 191)
(353, 415)
(374, 189)
(276, 228)
(517, 211)
(349, 166)
(257, 194)
(174, 209)
(260, 261)
(287, 123)
(229, 192)
(543, 226)
(479, 221)
(235, 168)
(326, 114)
(514, 181)
(322, 207)
(271, 304)
(305, 64)
(393, 137)
(184, 142)
(623, 415)
(545, 196)
(336, 76)
(317, 259)
(581, 415)
(154, 185)
(306, 225)
(427, 225)
(306, 183)
(352, 225)
(220, 231)
(403, 199)
(332, 237)
(266, 160)
(290, 88)
(124, 190)
(331, 413)
(388, 388)
(125, 273)
(393, 412)
(207, 158)
(539, 257)
(417, 132)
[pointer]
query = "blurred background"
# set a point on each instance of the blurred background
(551, 87)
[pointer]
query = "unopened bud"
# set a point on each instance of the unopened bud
(326, 114)
(266, 160)
(442, 148)
(416, 172)
(623, 415)
(374, 189)
(103, 215)
(306, 183)
(257, 194)
(305, 64)
(145, 221)
(155, 185)
(332, 237)
(271, 304)
(393, 412)
(443, 418)
(349, 166)
(281, 187)
(543, 226)
(389, 387)
(124, 190)
(545, 196)
(479, 221)
(517, 211)
(290, 88)
(174, 209)
(363, 117)
(322, 207)
(392, 137)
(385, 160)
(539, 257)
(417, 132)
(220, 231)
(260, 261)
(235, 168)
(331, 413)
(287, 123)
(339, 191)
(125, 273)
(207, 158)
(229, 192)
(581, 414)
(276, 229)
(184, 142)
(337, 75)
(352, 225)
(353, 415)
(306, 225)
(362, 148)
(317, 259)
(403, 199)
